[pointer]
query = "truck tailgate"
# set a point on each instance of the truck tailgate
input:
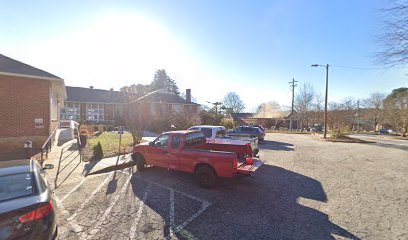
(249, 169)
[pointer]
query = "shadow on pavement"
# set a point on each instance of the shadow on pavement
(275, 145)
(265, 207)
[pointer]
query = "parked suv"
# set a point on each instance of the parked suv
(248, 131)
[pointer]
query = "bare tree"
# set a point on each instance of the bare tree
(394, 39)
(317, 116)
(304, 104)
(264, 110)
(396, 109)
(133, 122)
(233, 103)
(374, 105)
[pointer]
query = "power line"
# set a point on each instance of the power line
(366, 68)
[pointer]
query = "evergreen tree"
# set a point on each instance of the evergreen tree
(162, 81)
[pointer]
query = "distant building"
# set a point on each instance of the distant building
(29, 101)
(107, 106)
(271, 119)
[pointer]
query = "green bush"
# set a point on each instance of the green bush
(228, 123)
(98, 151)
(109, 128)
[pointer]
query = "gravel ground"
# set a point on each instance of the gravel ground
(307, 189)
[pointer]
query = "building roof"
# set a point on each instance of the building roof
(88, 95)
(272, 114)
(237, 116)
(14, 67)
(160, 97)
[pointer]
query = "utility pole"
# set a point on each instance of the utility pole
(292, 85)
(358, 115)
(216, 104)
(325, 100)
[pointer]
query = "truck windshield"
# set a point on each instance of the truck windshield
(194, 138)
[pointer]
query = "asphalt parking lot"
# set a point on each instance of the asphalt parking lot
(307, 189)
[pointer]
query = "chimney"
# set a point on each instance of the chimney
(91, 87)
(188, 95)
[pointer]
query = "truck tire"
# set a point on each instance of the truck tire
(205, 176)
(140, 161)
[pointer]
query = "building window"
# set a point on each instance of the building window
(152, 109)
(70, 111)
(94, 112)
(177, 108)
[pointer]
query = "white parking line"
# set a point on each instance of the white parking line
(171, 213)
(96, 229)
(181, 226)
(139, 213)
(73, 216)
(73, 190)
(75, 226)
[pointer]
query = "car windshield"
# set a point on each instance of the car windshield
(16, 186)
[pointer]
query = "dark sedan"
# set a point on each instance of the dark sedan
(248, 131)
(27, 209)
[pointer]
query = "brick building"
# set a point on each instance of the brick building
(107, 106)
(29, 103)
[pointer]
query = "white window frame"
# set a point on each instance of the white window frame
(95, 112)
(70, 111)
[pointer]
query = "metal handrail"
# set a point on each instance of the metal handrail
(47, 146)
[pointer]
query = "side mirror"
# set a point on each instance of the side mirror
(48, 166)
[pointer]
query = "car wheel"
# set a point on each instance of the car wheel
(205, 176)
(140, 161)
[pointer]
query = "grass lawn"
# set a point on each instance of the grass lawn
(110, 143)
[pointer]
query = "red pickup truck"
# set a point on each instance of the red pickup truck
(188, 151)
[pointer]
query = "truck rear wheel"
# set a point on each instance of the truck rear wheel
(205, 176)
(140, 162)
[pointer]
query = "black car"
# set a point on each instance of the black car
(27, 208)
(248, 131)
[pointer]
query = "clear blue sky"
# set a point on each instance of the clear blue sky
(251, 47)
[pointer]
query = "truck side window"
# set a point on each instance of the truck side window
(161, 141)
(207, 132)
(176, 142)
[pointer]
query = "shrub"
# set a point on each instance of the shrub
(95, 128)
(98, 151)
(228, 123)
(109, 128)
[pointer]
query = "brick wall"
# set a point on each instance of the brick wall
(21, 101)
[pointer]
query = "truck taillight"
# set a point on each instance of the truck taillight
(37, 213)
(249, 160)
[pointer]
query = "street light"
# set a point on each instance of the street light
(325, 99)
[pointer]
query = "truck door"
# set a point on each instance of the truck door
(173, 160)
(158, 153)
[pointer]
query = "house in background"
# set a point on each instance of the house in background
(108, 106)
(93, 105)
(268, 119)
(29, 104)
